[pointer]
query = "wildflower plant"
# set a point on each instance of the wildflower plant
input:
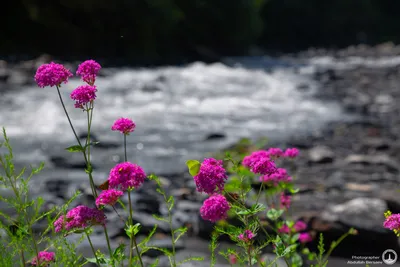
(227, 185)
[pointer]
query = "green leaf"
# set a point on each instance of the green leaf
(193, 166)
(191, 259)
(132, 230)
(90, 144)
(288, 250)
(155, 264)
(295, 238)
(158, 218)
(76, 148)
(164, 250)
(181, 231)
(274, 214)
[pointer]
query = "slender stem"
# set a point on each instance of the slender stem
(108, 240)
(137, 251)
(249, 254)
(172, 237)
(94, 251)
(66, 113)
(22, 258)
(259, 192)
(133, 237)
(126, 157)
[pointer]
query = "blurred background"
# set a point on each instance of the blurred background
(198, 76)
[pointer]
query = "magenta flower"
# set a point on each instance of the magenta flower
(284, 229)
(88, 71)
(275, 152)
(215, 208)
(291, 152)
(305, 237)
(83, 95)
(280, 175)
(108, 197)
(300, 226)
(285, 201)
(80, 217)
(126, 175)
(392, 222)
(211, 177)
(44, 258)
(260, 162)
(232, 259)
(249, 160)
(124, 125)
(246, 236)
(52, 74)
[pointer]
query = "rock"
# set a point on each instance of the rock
(215, 136)
(152, 88)
(321, 154)
(62, 162)
(376, 143)
(383, 160)
(101, 144)
(58, 187)
(366, 216)
(358, 212)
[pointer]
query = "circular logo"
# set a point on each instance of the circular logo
(389, 257)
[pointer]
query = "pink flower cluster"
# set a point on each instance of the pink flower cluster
(80, 218)
(274, 152)
(52, 74)
(280, 175)
(108, 197)
(305, 238)
(215, 208)
(246, 236)
(124, 125)
(392, 222)
(299, 226)
(285, 201)
(291, 153)
(211, 177)
(260, 162)
(83, 95)
(88, 71)
(126, 175)
(44, 258)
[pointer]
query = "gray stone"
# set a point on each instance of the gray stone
(366, 213)
(321, 154)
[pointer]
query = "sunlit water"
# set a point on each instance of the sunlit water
(175, 108)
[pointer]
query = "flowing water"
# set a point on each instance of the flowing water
(175, 109)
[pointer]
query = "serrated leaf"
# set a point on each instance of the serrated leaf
(191, 259)
(288, 250)
(163, 250)
(76, 148)
(193, 166)
(274, 214)
(181, 231)
(158, 218)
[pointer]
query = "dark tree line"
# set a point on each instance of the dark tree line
(171, 30)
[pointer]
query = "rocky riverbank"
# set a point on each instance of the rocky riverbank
(348, 174)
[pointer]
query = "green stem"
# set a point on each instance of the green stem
(249, 254)
(172, 237)
(22, 258)
(66, 113)
(125, 155)
(133, 237)
(108, 240)
(94, 251)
